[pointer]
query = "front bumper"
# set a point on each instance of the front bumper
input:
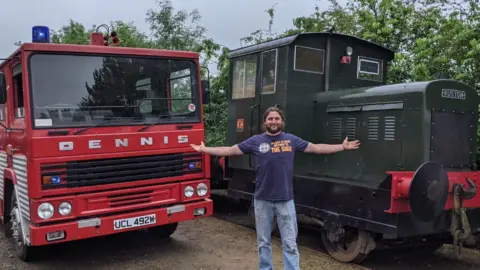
(93, 227)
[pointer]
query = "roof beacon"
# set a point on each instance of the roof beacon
(40, 34)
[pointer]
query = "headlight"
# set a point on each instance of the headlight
(64, 208)
(202, 189)
(45, 210)
(189, 191)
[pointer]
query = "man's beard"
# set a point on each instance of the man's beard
(273, 128)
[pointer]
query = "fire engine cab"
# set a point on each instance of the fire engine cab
(95, 140)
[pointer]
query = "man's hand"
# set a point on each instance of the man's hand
(350, 145)
(199, 148)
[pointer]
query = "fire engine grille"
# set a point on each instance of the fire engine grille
(74, 174)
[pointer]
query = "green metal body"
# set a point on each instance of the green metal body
(397, 127)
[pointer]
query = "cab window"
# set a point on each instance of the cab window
(269, 71)
(19, 110)
(244, 77)
(3, 96)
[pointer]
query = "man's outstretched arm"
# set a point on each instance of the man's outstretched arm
(221, 151)
(331, 148)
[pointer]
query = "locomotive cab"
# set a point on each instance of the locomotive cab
(289, 73)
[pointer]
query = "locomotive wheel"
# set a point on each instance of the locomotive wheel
(353, 247)
(23, 251)
(251, 214)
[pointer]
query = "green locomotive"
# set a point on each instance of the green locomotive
(415, 170)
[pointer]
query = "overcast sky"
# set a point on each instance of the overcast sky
(226, 20)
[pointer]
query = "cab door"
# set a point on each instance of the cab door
(272, 84)
(243, 106)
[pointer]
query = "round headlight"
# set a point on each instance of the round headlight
(189, 191)
(349, 50)
(202, 189)
(64, 208)
(45, 210)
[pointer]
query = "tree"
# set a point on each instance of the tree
(179, 31)
(216, 111)
(73, 33)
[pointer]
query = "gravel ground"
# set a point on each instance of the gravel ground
(208, 243)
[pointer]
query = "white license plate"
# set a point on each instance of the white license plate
(121, 224)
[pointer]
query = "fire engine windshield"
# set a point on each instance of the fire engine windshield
(86, 90)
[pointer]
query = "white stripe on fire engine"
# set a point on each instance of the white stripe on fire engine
(20, 168)
(3, 166)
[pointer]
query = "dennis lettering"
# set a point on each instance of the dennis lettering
(97, 144)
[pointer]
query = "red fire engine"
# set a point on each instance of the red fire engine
(95, 140)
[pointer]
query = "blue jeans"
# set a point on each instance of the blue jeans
(287, 224)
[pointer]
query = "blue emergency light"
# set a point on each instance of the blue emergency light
(40, 34)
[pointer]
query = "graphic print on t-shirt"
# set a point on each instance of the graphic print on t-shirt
(264, 148)
(281, 146)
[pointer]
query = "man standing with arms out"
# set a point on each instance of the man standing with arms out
(274, 152)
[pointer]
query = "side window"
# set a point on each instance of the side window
(180, 91)
(244, 77)
(18, 91)
(3, 96)
(269, 71)
(309, 60)
(370, 69)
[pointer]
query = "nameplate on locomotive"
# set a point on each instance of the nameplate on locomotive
(454, 94)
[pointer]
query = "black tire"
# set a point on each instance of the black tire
(24, 252)
(164, 231)
(7, 225)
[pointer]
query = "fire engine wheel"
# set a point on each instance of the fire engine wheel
(163, 231)
(23, 251)
(353, 247)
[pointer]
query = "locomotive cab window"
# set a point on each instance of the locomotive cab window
(269, 71)
(370, 69)
(244, 77)
(308, 59)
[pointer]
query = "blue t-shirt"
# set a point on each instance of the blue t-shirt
(274, 159)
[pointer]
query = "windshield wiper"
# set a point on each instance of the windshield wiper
(97, 125)
(167, 116)
(155, 123)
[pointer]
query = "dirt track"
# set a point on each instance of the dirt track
(201, 244)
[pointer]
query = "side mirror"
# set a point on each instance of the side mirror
(3, 89)
(205, 91)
